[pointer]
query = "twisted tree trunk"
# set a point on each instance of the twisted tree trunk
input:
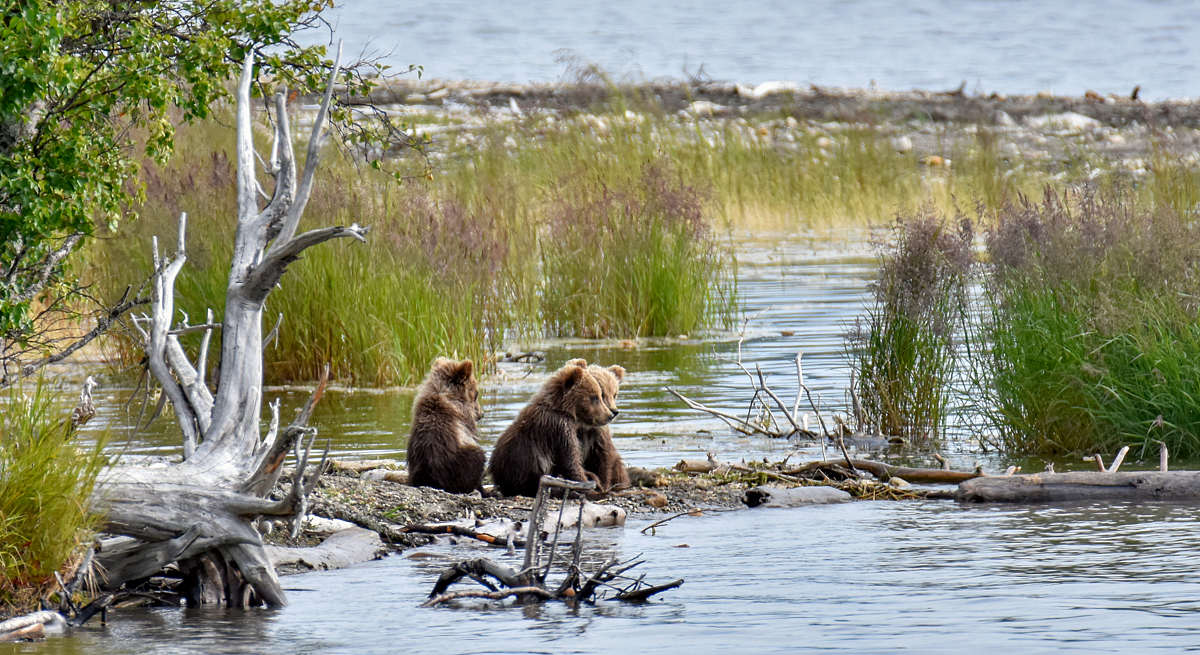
(199, 513)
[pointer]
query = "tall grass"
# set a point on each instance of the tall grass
(460, 266)
(628, 262)
(45, 482)
(1093, 330)
(905, 351)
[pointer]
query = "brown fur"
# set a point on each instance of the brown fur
(596, 448)
(443, 450)
(543, 440)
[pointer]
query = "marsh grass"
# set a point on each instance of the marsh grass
(1094, 339)
(483, 256)
(45, 481)
(905, 352)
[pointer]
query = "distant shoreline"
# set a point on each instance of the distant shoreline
(800, 101)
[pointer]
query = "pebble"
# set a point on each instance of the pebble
(902, 144)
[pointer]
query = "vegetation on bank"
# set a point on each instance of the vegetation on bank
(45, 482)
(1092, 325)
(480, 257)
(609, 220)
(1083, 336)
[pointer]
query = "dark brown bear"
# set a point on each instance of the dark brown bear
(596, 448)
(442, 449)
(544, 439)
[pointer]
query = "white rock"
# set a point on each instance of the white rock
(824, 142)
(322, 525)
(706, 108)
(594, 516)
(902, 144)
(1003, 119)
(1067, 121)
(768, 88)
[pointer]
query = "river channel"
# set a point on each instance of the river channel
(860, 578)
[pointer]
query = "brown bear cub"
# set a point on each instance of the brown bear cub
(596, 448)
(442, 450)
(544, 438)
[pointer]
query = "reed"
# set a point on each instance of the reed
(905, 352)
(1093, 302)
(45, 481)
(484, 255)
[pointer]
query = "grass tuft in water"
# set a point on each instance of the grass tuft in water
(904, 352)
(1095, 344)
(45, 482)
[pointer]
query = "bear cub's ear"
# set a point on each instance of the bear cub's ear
(579, 361)
(573, 376)
(617, 372)
(464, 370)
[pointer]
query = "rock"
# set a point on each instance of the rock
(1067, 121)
(1004, 120)
(323, 526)
(594, 516)
(383, 475)
(639, 477)
(824, 142)
(797, 497)
(902, 144)
(657, 500)
(706, 108)
(767, 88)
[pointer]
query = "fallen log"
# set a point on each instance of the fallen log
(885, 472)
(1082, 486)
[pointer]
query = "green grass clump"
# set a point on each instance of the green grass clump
(1093, 326)
(631, 261)
(904, 353)
(45, 482)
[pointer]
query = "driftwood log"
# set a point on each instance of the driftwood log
(1083, 486)
(194, 520)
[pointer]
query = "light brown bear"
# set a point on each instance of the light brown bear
(544, 438)
(443, 450)
(596, 448)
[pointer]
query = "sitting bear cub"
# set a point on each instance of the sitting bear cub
(597, 451)
(442, 449)
(544, 439)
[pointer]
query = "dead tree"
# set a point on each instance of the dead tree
(197, 516)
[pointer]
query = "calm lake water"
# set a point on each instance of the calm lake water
(869, 577)
(1009, 46)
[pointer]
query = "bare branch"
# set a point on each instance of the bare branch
(315, 143)
(267, 273)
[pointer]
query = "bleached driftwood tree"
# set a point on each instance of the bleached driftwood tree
(200, 513)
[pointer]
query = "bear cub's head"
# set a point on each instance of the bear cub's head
(455, 382)
(581, 396)
(609, 379)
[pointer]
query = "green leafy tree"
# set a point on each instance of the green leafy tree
(88, 88)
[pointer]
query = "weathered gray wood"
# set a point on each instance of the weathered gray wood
(339, 550)
(795, 497)
(1082, 486)
(200, 511)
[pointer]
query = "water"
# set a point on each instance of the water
(807, 286)
(869, 577)
(1009, 46)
